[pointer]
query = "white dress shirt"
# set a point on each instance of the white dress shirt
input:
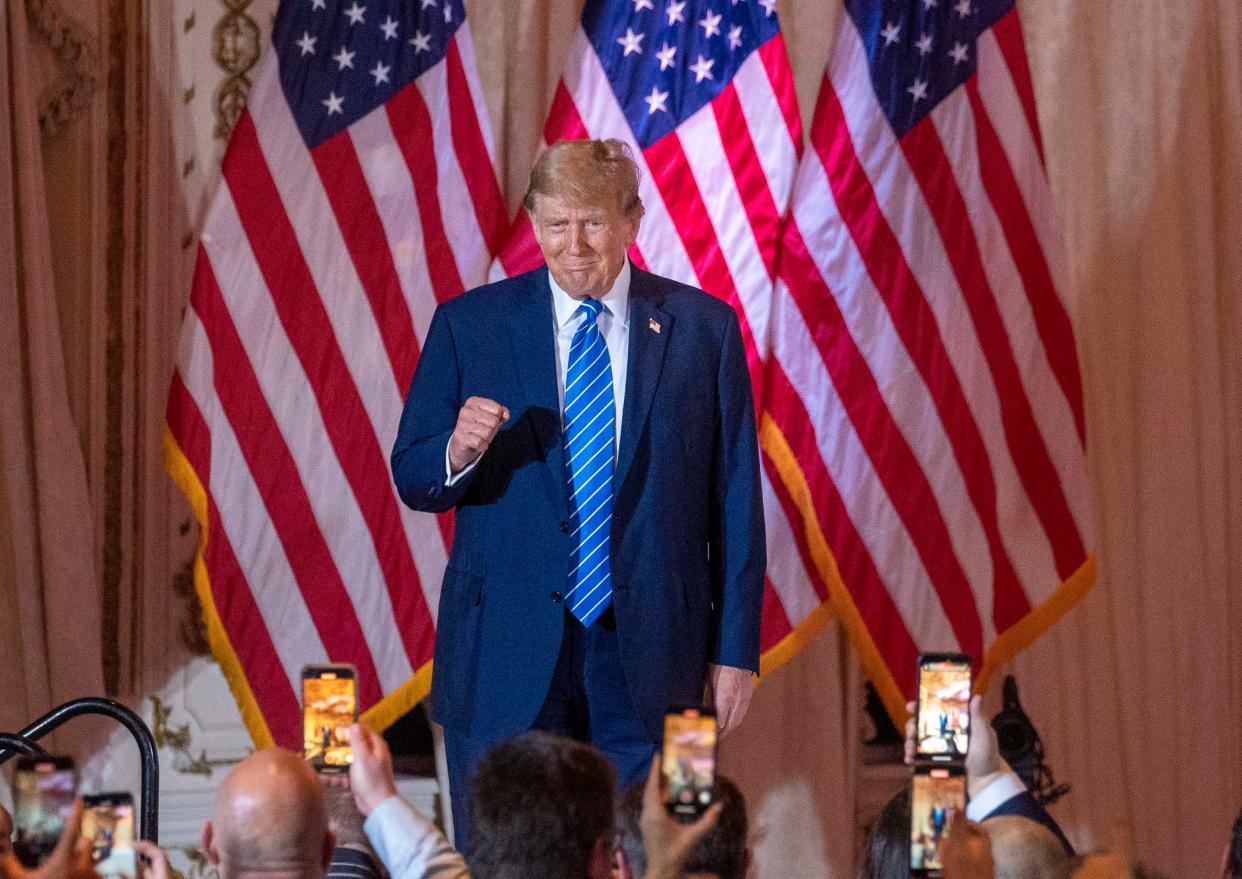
(614, 323)
(410, 846)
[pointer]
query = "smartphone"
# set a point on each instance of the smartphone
(109, 825)
(942, 722)
(43, 791)
(329, 706)
(688, 761)
(936, 792)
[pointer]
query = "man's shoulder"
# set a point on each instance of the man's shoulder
(682, 299)
(490, 299)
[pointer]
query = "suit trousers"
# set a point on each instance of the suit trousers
(588, 700)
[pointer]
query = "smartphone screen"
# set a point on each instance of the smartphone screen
(329, 706)
(943, 724)
(936, 792)
(109, 824)
(43, 791)
(689, 761)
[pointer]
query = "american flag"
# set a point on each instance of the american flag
(927, 408)
(358, 191)
(704, 93)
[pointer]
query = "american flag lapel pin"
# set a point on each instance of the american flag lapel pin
(653, 325)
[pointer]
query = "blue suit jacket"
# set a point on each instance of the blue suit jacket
(687, 543)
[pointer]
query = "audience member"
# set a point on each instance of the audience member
(992, 786)
(1023, 849)
(966, 851)
(721, 854)
(1232, 867)
(410, 846)
(6, 832)
(71, 859)
(542, 806)
(886, 853)
(269, 819)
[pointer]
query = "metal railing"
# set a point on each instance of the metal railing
(25, 742)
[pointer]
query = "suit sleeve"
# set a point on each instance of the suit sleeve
(427, 422)
(1007, 795)
(738, 553)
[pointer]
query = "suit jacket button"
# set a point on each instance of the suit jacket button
(564, 527)
(556, 598)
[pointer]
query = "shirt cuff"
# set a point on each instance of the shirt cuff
(451, 478)
(398, 833)
(998, 791)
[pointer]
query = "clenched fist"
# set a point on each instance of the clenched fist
(477, 424)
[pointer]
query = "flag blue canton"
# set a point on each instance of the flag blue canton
(340, 59)
(665, 59)
(919, 51)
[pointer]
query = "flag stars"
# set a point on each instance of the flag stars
(429, 4)
(702, 69)
(676, 12)
(334, 103)
(655, 101)
(355, 13)
(924, 44)
(344, 58)
(318, 4)
(962, 8)
(640, 5)
(420, 41)
(307, 44)
(448, 12)
(918, 90)
(380, 72)
(665, 55)
(958, 52)
(735, 36)
(930, 4)
(389, 27)
(631, 42)
(710, 24)
(769, 7)
(890, 32)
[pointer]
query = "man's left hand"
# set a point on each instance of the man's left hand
(728, 689)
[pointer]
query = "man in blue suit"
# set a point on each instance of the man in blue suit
(592, 425)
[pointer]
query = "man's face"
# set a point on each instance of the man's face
(583, 246)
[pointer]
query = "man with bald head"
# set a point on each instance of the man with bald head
(593, 427)
(1024, 849)
(269, 817)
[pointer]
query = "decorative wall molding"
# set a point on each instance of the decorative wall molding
(236, 43)
(78, 67)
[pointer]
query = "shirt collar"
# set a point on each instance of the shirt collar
(617, 299)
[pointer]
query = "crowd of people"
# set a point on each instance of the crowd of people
(546, 806)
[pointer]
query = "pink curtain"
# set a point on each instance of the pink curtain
(49, 602)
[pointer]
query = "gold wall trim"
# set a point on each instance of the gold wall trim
(236, 43)
(78, 65)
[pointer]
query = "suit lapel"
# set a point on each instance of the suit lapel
(534, 355)
(649, 330)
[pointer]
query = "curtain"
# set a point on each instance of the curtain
(49, 607)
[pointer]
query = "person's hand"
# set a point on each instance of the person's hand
(71, 859)
(984, 763)
(966, 852)
(370, 775)
(477, 425)
(728, 689)
(155, 865)
(667, 841)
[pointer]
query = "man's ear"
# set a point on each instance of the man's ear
(329, 846)
(207, 842)
(600, 865)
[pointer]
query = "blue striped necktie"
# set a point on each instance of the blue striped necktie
(589, 419)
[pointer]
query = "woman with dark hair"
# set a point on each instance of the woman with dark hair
(886, 854)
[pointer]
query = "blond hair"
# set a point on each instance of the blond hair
(586, 173)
